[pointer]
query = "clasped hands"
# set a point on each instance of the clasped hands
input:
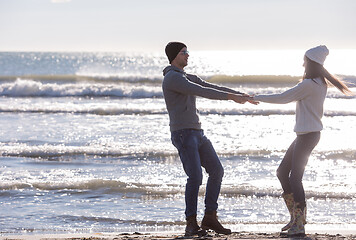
(242, 98)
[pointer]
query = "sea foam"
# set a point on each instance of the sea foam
(31, 88)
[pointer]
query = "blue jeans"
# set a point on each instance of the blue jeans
(290, 171)
(196, 151)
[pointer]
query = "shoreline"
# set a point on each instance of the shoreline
(175, 236)
(262, 232)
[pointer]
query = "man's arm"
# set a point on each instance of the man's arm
(179, 83)
(182, 85)
(203, 83)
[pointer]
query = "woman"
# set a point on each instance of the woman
(310, 95)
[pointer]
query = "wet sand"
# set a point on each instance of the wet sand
(176, 236)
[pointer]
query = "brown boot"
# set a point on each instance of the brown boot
(192, 227)
(210, 221)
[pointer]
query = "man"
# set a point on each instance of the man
(195, 149)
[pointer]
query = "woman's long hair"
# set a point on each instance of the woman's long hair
(315, 70)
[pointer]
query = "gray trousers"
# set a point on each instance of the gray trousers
(290, 171)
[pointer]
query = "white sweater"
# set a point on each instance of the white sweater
(309, 95)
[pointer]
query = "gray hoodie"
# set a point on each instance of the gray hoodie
(180, 90)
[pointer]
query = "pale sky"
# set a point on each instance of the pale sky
(147, 25)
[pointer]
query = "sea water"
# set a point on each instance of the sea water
(85, 143)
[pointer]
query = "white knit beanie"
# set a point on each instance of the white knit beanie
(318, 54)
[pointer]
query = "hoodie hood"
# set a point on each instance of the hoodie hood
(171, 68)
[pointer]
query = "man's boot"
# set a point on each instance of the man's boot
(192, 227)
(210, 221)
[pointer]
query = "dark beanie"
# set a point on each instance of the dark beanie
(172, 50)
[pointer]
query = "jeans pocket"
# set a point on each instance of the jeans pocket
(177, 139)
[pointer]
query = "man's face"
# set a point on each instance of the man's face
(181, 59)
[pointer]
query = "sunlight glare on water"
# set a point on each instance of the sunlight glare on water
(267, 62)
(341, 61)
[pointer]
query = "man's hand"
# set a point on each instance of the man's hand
(252, 100)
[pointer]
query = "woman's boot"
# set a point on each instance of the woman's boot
(289, 201)
(297, 228)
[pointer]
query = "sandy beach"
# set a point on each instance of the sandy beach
(170, 235)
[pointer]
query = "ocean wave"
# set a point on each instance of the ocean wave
(69, 86)
(57, 152)
(31, 88)
(108, 186)
(72, 153)
(107, 111)
(268, 112)
(280, 80)
(88, 78)
(95, 111)
(265, 80)
(155, 191)
(121, 221)
(115, 186)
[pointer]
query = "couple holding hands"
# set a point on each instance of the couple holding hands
(196, 151)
